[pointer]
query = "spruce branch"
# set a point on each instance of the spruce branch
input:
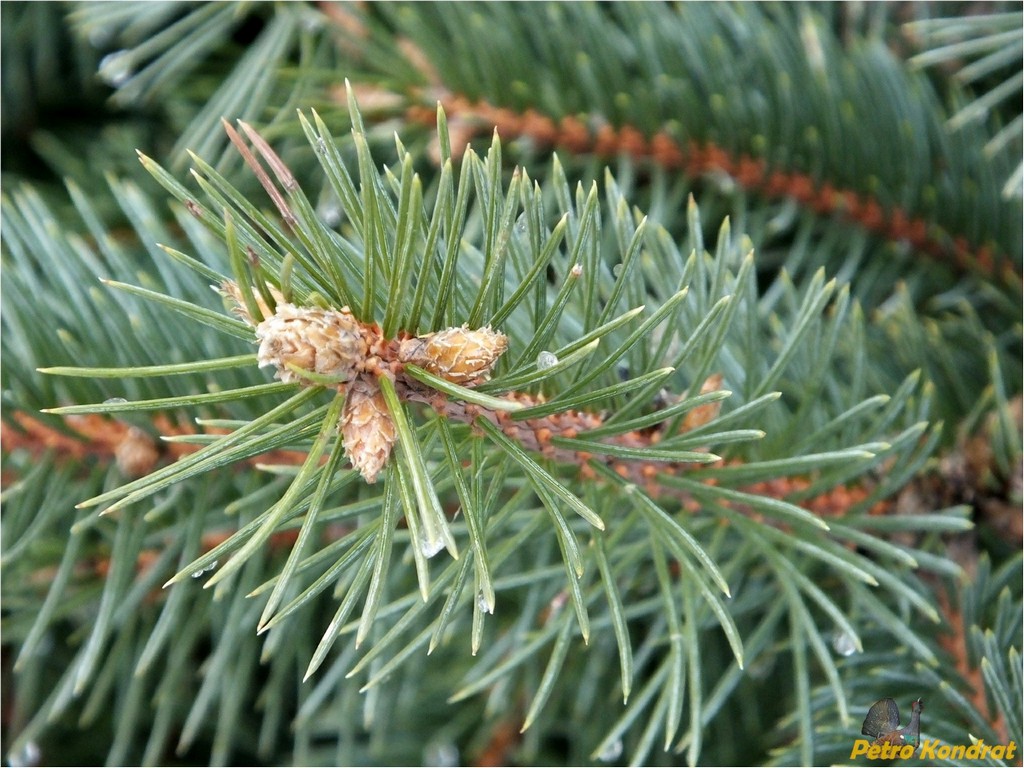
(588, 99)
(153, 51)
(751, 418)
(963, 703)
(583, 413)
(697, 160)
(725, 145)
(978, 48)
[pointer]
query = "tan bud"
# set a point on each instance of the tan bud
(458, 354)
(136, 454)
(229, 289)
(367, 430)
(708, 412)
(329, 342)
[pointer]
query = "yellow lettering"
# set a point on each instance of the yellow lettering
(930, 750)
(860, 747)
(874, 751)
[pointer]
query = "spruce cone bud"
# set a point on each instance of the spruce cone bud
(367, 430)
(708, 412)
(325, 341)
(458, 354)
(229, 289)
(136, 454)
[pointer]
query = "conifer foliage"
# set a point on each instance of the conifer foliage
(505, 383)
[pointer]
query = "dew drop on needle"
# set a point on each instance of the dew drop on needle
(201, 571)
(483, 604)
(611, 751)
(546, 360)
(431, 548)
(844, 644)
(116, 68)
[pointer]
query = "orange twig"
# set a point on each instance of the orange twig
(954, 642)
(696, 159)
(104, 439)
(505, 737)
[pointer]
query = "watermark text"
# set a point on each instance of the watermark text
(933, 749)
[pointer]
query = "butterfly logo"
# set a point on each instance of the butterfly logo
(883, 724)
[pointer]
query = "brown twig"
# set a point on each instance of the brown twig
(695, 159)
(103, 439)
(954, 642)
(505, 737)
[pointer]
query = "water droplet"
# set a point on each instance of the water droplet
(201, 571)
(483, 604)
(617, 269)
(844, 643)
(546, 360)
(114, 401)
(611, 751)
(99, 35)
(330, 213)
(441, 754)
(116, 68)
(577, 270)
(431, 548)
(522, 224)
(28, 756)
